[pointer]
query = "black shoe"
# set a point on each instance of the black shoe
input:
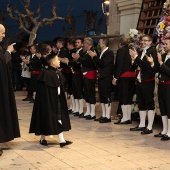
(129, 122)
(28, 99)
(43, 142)
(81, 115)
(1, 152)
(66, 143)
(137, 128)
(105, 120)
(125, 122)
(70, 111)
(32, 101)
(86, 116)
(146, 131)
(100, 118)
(89, 117)
(76, 114)
(159, 135)
(118, 122)
(165, 137)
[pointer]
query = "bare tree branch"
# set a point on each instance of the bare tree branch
(31, 18)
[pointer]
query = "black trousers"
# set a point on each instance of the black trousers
(34, 83)
(126, 88)
(89, 90)
(145, 95)
(77, 84)
(69, 86)
(164, 99)
(27, 81)
(104, 87)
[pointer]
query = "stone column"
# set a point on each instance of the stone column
(114, 24)
(129, 14)
(123, 16)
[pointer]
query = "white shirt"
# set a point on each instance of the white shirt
(103, 52)
(167, 57)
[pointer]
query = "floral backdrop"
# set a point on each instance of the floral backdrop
(163, 27)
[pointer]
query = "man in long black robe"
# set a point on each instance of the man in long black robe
(9, 126)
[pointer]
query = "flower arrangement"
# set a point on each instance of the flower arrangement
(134, 38)
(163, 27)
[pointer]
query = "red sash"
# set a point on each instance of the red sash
(77, 72)
(150, 79)
(35, 72)
(128, 74)
(68, 70)
(90, 74)
(165, 82)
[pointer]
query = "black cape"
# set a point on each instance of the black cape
(46, 109)
(9, 126)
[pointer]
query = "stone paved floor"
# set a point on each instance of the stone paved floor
(95, 147)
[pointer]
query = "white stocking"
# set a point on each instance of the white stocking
(142, 115)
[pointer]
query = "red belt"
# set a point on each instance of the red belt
(128, 74)
(165, 82)
(147, 80)
(77, 72)
(68, 70)
(90, 74)
(36, 72)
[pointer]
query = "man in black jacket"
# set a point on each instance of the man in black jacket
(35, 66)
(77, 79)
(16, 69)
(63, 53)
(146, 83)
(88, 70)
(164, 90)
(124, 77)
(105, 64)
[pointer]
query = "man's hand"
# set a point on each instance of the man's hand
(38, 55)
(114, 82)
(150, 59)
(160, 58)
(75, 56)
(64, 60)
(92, 54)
(133, 54)
(25, 61)
(11, 47)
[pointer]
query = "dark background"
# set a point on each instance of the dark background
(63, 6)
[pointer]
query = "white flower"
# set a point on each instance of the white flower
(133, 32)
(165, 5)
(168, 28)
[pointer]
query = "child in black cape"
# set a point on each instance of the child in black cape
(50, 114)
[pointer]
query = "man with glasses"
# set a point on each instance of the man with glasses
(145, 83)
(164, 90)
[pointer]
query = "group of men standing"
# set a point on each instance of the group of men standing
(137, 68)
(87, 66)
(134, 71)
(81, 65)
